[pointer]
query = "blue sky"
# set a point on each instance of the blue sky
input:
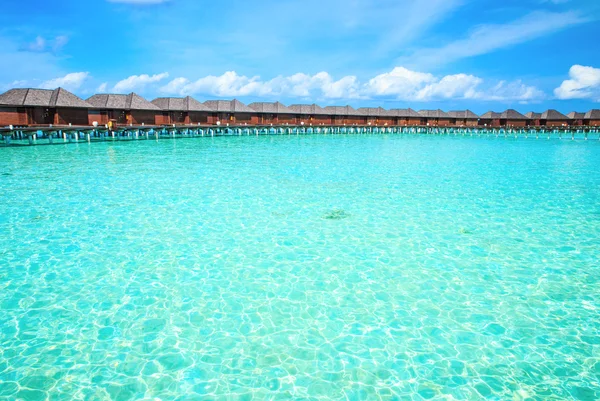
(452, 54)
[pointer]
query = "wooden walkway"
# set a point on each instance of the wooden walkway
(71, 134)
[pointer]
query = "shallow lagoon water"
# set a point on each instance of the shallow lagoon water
(303, 267)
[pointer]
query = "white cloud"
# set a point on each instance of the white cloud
(72, 81)
(584, 84)
(397, 82)
(102, 88)
(41, 44)
(138, 82)
(488, 38)
(298, 85)
(404, 84)
(451, 87)
(400, 84)
(516, 90)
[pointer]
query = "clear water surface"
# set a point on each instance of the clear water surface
(303, 267)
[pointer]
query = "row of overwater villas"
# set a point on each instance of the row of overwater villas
(43, 107)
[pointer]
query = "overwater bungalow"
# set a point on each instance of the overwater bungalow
(512, 118)
(576, 118)
(408, 116)
(387, 117)
(592, 118)
(310, 114)
(553, 118)
(534, 119)
(117, 109)
(463, 118)
(31, 107)
(186, 110)
(436, 118)
(490, 119)
(377, 116)
(273, 113)
(508, 118)
(345, 115)
(232, 112)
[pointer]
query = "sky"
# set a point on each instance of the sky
(482, 55)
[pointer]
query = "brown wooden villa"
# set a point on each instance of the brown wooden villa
(508, 118)
(435, 118)
(310, 114)
(123, 110)
(553, 118)
(576, 118)
(186, 110)
(232, 112)
(387, 117)
(534, 119)
(407, 117)
(272, 113)
(377, 116)
(31, 107)
(592, 118)
(345, 115)
(463, 118)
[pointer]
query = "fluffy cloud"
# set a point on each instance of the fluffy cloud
(297, 85)
(515, 90)
(72, 81)
(398, 84)
(584, 84)
(102, 88)
(138, 82)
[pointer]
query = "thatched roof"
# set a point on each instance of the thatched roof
(42, 97)
(180, 104)
(491, 115)
(113, 101)
(574, 115)
(553, 115)
(405, 113)
(229, 106)
(533, 115)
(463, 114)
(342, 111)
(374, 111)
(593, 114)
(308, 109)
(434, 113)
(266, 107)
(511, 114)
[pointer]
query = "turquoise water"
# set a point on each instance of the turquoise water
(310, 267)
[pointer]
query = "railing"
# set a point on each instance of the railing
(71, 134)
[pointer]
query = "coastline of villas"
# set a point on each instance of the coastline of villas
(45, 107)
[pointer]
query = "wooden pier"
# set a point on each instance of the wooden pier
(71, 134)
